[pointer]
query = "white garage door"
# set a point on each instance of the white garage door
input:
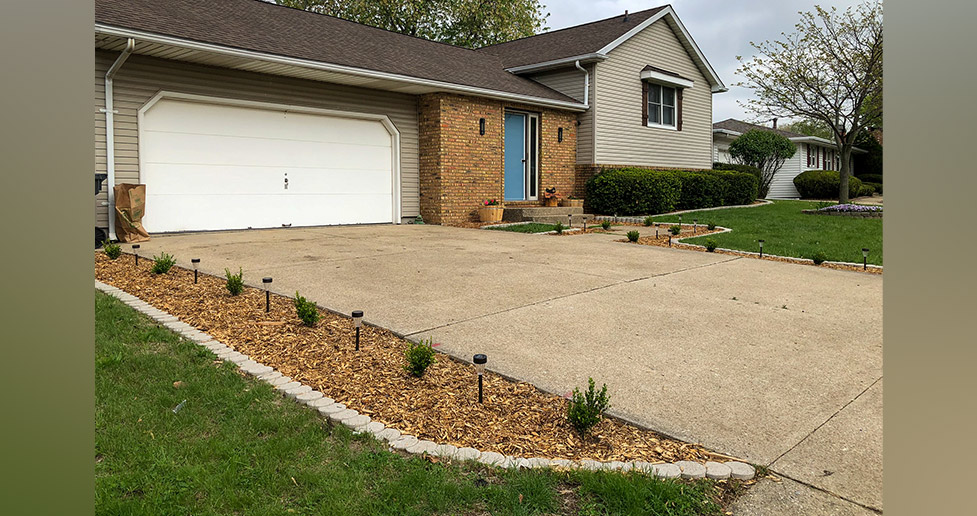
(214, 166)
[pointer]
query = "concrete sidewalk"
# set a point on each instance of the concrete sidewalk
(776, 363)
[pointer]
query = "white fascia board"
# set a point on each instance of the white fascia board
(556, 63)
(669, 80)
(718, 87)
(329, 67)
(727, 132)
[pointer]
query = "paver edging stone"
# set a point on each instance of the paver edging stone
(339, 413)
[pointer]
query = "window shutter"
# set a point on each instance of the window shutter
(678, 108)
(644, 103)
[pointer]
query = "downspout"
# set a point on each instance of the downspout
(109, 111)
(586, 87)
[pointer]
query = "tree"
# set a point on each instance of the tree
(830, 71)
(765, 150)
(467, 23)
(809, 127)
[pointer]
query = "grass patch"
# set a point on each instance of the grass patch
(788, 232)
(529, 227)
(237, 447)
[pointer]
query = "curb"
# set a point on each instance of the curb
(337, 413)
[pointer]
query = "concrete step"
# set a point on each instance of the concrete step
(521, 214)
(577, 219)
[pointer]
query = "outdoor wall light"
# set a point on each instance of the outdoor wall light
(761, 248)
(864, 258)
(358, 323)
(135, 252)
(559, 134)
(196, 263)
(481, 126)
(479, 360)
(267, 283)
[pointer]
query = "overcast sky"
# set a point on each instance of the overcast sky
(723, 30)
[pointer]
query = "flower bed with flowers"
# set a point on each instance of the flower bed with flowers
(848, 210)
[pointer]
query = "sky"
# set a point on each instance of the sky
(723, 30)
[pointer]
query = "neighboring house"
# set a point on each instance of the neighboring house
(243, 114)
(813, 153)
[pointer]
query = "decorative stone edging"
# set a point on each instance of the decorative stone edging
(337, 413)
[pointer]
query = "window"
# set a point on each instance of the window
(661, 105)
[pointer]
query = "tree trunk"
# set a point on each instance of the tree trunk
(844, 173)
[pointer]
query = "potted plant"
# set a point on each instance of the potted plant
(550, 197)
(491, 211)
(572, 202)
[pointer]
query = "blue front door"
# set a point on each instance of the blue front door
(515, 157)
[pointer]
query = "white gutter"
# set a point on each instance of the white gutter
(149, 37)
(110, 111)
(556, 63)
(586, 84)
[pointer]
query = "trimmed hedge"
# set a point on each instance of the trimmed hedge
(877, 186)
(737, 167)
(871, 178)
(866, 191)
(824, 184)
(637, 191)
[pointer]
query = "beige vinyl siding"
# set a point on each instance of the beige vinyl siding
(621, 138)
(142, 77)
(570, 82)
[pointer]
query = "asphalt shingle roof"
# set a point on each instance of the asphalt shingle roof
(739, 126)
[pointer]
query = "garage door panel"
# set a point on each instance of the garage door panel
(170, 179)
(193, 212)
(339, 182)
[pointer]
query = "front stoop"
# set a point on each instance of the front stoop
(544, 215)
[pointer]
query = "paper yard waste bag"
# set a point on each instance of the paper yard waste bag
(130, 206)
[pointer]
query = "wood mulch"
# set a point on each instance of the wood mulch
(516, 418)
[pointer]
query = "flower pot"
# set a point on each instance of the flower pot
(552, 201)
(572, 203)
(490, 213)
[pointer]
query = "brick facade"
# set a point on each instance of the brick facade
(460, 168)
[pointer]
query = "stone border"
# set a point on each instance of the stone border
(337, 413)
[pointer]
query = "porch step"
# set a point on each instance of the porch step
(537, 213)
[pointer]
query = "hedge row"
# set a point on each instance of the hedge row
(824, 184)
(638, 191)
(871, 178)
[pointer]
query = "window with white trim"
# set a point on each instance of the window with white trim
(661, 105)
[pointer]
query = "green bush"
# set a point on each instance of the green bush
(420, 355)
(676, 229)
(558, 227)
(824, 184)
(818, 257)
(633, 236)
(112, 250)
(163, 263)
(866, 190)
(755, 172)
(306, 310)
(871, 178)
(649, 220)
(633, 191)
(605, 224)
(765, 150)
(711, 226)
(585, 410)
(741, 187)
(877, 186)
(235, 282)
(711, 245)
(700, 190)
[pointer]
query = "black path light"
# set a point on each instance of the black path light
(267, 283)
(358, 323)
(585, 224)
(761, 248)
(569, 220)
(669, 239)
(656, 231)
(196, 263)
(864, 258)
(695, 225)
(135, 252)
(479, 360)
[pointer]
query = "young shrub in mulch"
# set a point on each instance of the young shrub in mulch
(112, 250)
(633, 236)
(558, 228)
(711, 245)
(163, 263)
(605, 224)
(675, 230)
(419, 355)
(306, 310)
(235, 282)
(819, 257)
(649, 221)
(711, 226)
(585, 410)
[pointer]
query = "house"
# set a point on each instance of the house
(244, 114)
(813, 153)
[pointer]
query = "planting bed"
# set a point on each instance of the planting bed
(516, 418)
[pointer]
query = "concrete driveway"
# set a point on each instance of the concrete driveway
(779, 364)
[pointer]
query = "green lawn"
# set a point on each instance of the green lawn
(529, 227)
(788, 232)
(237, 447)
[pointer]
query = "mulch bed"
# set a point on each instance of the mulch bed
(516, 418)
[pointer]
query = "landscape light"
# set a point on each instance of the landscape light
(669, 239)
(864, 258)
(585, 224)
(195, 262)
(695, 224)
(569, 220)
(358, 323)
(135, 253)
(479, 360)
(267, 283)
(761, 248)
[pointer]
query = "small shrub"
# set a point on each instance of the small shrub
(558, 228)
(163, 263)
(877, 186)
(824, 184)
(819, 257)
(235, 282)
(649, 220)
(711, 226)
(711, 245)
(420, 356)
(633, 236)
(112, 250)
(867, 190)
(675, 230)
(605, 224)
(418, 220)
(306, 310)
(586, 409)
